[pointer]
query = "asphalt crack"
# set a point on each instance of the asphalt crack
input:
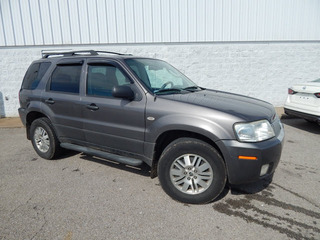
(260, 209)
(21, 205)
(265, 222)
(38, 214)
(297, 195)
(43, 224)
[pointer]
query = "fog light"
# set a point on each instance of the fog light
(264, 169)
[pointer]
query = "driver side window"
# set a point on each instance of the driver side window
(102, 79)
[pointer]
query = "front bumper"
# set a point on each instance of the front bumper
(244, 171)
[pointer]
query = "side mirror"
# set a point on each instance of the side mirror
(124, 92)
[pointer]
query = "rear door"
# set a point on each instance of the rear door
(111, 123)
(62, 101)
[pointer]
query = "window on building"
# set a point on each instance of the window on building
(66, 78)
(34, 74)
(102, 79)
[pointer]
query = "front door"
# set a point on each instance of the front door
(111, 123)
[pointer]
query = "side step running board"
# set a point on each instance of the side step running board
(98, 153)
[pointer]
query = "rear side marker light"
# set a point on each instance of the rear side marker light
(317, 95)
(247, 158)
(291, 92)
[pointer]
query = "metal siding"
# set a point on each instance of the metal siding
(201, 21)
(209, 19)
(139, 21)
(174, 21)
(46, 22)
(166, 21)
(317, 20)
(55, 22)
(234, 21)
(64, 17)
(148, 21)
(243, 9)
(2, 34)
(192, 21)
(18, 29)
(218, 21)
(121, 21)
(130, 21)
(93, 21)
(226, 19)
(8, 28)
(156, 19)
(74, 22)
(112, 22)
(183, 21)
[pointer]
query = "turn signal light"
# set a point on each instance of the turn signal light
(247, 158)
(317, 95)
(291, 92)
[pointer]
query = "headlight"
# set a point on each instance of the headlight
(254, 131)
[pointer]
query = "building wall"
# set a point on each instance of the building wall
(255, 48)
(60, 22)
(260, 70)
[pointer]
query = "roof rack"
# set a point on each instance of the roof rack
(46, 54)
(113, 53)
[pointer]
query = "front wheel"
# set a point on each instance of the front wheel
(44, 139)
(191, 171)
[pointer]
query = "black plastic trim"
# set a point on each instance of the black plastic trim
(110, 156)
(310, 117)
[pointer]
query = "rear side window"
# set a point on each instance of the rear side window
(66, 78)
(34, 74)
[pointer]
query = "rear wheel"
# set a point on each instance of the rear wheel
(44, 139)
(191, 171)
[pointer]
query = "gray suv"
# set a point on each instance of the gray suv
(134, 110)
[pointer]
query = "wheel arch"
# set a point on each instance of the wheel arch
(169, 136)
(31, 116)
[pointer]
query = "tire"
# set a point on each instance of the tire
(191, 171)
(44, 139)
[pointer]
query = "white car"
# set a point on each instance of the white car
(304, 101)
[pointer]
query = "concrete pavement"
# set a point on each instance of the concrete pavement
(84, 197)
(12, 122)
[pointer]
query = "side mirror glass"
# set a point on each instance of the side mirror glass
(124, 92)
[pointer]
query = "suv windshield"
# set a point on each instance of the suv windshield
(160, 77)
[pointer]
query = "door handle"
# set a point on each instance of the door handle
(49, 101)
(92, 106)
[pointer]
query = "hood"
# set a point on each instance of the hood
(246, 108)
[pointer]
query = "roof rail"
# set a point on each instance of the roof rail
(46, 54)
(113, 53)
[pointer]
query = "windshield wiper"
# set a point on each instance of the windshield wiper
(167, 90)
(191, 88)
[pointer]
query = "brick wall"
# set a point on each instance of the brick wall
(260, 70)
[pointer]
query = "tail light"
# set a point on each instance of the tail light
(291, 92)
(317, 95)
